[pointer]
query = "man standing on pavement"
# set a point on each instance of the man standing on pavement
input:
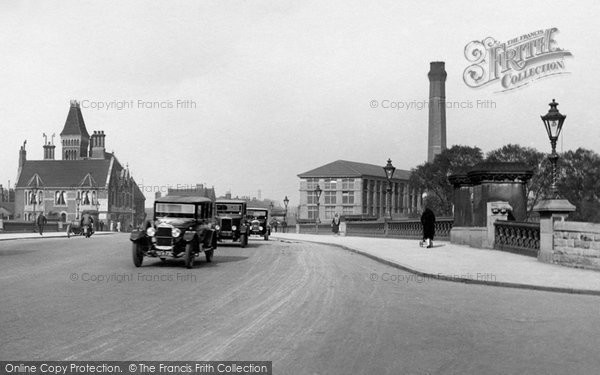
(41, 222)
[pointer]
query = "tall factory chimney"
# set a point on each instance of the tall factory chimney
(437, 110)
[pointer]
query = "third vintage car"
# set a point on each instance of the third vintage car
(231, 221)
(258, 219)
(181, 227)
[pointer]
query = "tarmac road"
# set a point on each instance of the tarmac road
(311, 309)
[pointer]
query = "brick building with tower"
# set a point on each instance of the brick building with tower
(85, 179)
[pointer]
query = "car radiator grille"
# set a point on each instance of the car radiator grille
(164, 237)
(226, 224)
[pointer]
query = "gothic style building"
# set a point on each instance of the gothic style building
(87, 179)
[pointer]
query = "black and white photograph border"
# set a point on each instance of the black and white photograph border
(287, 187)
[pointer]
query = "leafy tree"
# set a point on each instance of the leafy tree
(579, 182)
(432, 177)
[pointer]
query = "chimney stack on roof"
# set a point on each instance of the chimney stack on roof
(49, 148)
(97, 145)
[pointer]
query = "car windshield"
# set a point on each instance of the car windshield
(255, 214)
(229, 208)
(173, 210)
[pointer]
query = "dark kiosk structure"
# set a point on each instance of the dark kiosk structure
(181, 226)
(258, 219)
(231, 221)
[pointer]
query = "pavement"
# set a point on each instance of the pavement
(457, 263)
(4, 236)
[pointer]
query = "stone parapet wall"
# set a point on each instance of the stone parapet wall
(577, 244)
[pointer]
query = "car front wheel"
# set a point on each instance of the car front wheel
(189, 255)
(138, 254)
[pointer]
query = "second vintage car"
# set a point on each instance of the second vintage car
(181, 227)
(231, 221)
(258, 219)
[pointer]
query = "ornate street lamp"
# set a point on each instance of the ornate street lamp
(389, 173)
(285, 203)
(318, 192)
(553, 121)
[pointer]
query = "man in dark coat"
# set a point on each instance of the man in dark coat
(428, 221)
(41, 222)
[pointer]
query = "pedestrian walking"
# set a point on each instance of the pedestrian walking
(41, 222)
(335, 224)
(118, 226)
(428, 221)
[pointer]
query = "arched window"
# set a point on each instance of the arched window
(94, 197)
(86, 199)
(40, 197)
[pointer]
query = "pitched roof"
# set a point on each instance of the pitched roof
(345, 168)
(74, 124)
(8, 207)
(64, 173)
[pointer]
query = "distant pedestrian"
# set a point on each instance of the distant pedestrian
(118, 226)
(275, 224)
(428, 221)
(101, 225)
(41, 222)
(335, 224)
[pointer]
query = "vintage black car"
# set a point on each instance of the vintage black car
(231, 221)
(181, 226)
(258, 219)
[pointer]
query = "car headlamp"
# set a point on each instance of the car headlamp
(260, 228)
(233, 227)
(151, 231)
(175, 232)
(217, 227)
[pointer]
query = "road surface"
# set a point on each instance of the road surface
(311, 309)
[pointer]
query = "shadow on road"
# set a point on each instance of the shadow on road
(199, 262)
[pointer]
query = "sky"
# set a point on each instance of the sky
(245, 95)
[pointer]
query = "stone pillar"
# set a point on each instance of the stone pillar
(550, 210)
(495, 211)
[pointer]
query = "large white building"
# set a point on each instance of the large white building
(355, 190)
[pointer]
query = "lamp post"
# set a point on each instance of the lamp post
(77, 202)
(285, 203)
(389, 173)
(553, 121)
(552, 208)
(318, 192)
(34, 198)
